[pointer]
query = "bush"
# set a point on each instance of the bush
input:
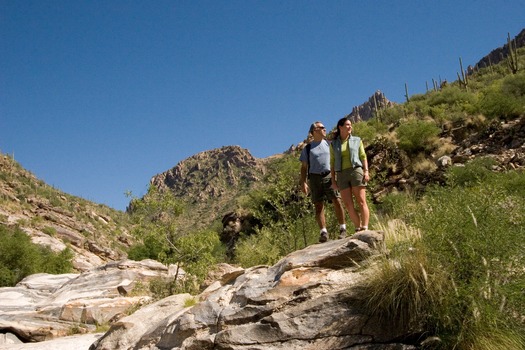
(454, 98)
(286, 216)
(368, 130)
(463, 277)
(474, 173)
(19, 257)
(481, 250)
(417, 136)
(505, 99)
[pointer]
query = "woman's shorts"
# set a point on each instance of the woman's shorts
(352, 177)
(321, 188)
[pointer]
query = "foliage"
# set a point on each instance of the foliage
(465, 276)
(155, 217)
(19, 257)
(369, 129)
(417, 136)
(286, 215)
(506, 98)
(392, 115)
(473, 174)
(189, 302)
(154, 224)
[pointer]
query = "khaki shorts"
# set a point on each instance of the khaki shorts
(321, 188)
(350, 178)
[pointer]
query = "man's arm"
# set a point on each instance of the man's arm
(304, 185)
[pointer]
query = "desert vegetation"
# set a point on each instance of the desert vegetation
(19, 257)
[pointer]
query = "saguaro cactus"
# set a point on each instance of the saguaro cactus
(512, 57)
(463, 79)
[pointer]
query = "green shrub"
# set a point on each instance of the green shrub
(49, 230)
(471, 174)
(453, 97)
(260, 249)
(476, 234)
(463, 277)
(368, 130)
(417, 136)
(19, 257)
(393, 115)
(505, 99)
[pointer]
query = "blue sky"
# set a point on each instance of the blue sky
(96, 97)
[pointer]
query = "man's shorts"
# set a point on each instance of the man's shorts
(321, 188)
(350, 178)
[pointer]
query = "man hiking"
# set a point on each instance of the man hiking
(315, 179)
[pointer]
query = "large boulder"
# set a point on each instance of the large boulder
(43, 306)
(308, 300)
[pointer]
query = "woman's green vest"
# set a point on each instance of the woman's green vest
(353, 144)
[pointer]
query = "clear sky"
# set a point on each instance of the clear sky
(96, 97)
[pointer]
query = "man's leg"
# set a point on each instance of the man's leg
(340, 214)
(339, 211)
(321, 221)
(319, 215)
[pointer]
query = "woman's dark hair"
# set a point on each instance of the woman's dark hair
(340, 122)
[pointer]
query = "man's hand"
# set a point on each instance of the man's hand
(305, 188)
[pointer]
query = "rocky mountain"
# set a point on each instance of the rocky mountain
(209, 182)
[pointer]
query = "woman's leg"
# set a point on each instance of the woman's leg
(346, 196)
(359, 193)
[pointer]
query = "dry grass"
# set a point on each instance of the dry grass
(404, 285)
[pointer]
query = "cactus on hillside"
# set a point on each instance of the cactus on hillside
(463, 79)
(512, 57)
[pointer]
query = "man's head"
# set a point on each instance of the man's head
(318, 131)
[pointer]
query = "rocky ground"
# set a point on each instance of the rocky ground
(310, 299)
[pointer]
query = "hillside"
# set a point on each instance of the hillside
(96, 233)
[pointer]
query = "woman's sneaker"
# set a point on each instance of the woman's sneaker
(324, 237)
(342, 233)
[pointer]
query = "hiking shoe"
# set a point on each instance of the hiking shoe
(342, 233)
(324, 237)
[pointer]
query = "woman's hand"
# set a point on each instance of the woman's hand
(366, 176)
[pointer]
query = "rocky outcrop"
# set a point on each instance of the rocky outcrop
(43, 306)
(309, 300)
(370, 108)
(210, 174)
(504, 141)
(72, 342)
(209, 182)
